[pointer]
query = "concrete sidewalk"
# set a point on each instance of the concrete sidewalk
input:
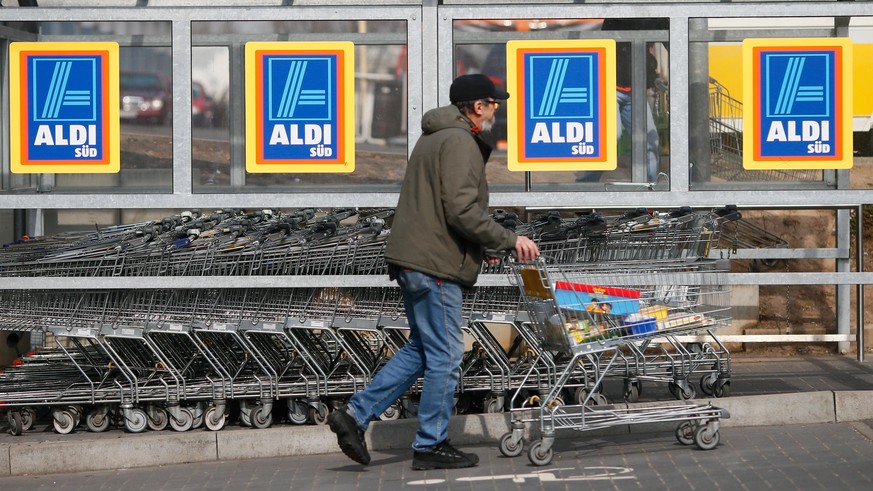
(764, 392)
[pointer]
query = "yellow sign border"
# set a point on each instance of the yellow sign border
(610, 148)
(346, 129)
(110, 97)
(844, 161)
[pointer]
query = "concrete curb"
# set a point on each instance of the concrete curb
(40, 454)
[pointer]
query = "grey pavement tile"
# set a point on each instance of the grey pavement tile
(795, 457)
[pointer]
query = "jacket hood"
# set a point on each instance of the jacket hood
(442, 118)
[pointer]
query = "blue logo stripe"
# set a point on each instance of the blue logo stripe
(795, 85)
(780, 101)
(280, 111)
(52, 90)
(62, 87)
(558, 86)
(549, 88)
(572, 94)
(295, 88)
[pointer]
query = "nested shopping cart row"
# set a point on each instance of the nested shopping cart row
(337, 242)
(228, 243)
(184, 357)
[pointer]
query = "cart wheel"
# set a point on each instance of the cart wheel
(97, 420)
(16, 426)
(722, 388)
(492, 405)
(213, 420)
(28, 416)
(537, 456)
(508, 448)
(261, 418)
(297, 412)
(185, 421)
(76, 412)
(685, 433)
(706, 383)
(245, 413)
(137, 422)
(158, 419)
(198, 410)
(685, 393)
(64, 421)
(599, 399)
(392, 413)
(706, 437)
(631, 392)
(318, 413)
(695, 348)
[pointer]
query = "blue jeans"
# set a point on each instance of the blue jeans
(434, 349)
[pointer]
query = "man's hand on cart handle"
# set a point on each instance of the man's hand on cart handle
(526, 249)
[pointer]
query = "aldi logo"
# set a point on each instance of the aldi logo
(300, 107)
(562, 110)
(800, 114)
(63, 95)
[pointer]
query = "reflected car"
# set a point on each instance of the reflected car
(202, 111)
(144, 98)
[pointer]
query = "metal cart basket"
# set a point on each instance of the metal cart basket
(588, 316)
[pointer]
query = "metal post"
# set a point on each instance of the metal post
(859, 288)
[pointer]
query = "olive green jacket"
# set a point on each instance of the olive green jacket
(442, 225)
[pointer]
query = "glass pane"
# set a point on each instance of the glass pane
(380, 106)
(145, 107)
(718, 152)
(643, 52)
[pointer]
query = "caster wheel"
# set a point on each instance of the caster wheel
(98, 420)
(707, 384)
(685, 393)
(722, 388)
(245, 413)
(16, 425)
(492, 406)
(318, 414)
(391, 414)
(539, 457)
(706, 437)
(64, 421)
(297, 412)
(137, 422)
(213, 420)
(508, 448)
(158, 418)
(28, 416)
(185, 421)
(262, 417)
(632, 392)
(685, 433)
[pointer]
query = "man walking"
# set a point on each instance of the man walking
(440, 231)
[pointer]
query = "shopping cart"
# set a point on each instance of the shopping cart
(589, 316)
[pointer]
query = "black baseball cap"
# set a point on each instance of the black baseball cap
(474, 87)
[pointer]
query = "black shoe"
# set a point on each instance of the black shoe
(349, 437)
(443, 456)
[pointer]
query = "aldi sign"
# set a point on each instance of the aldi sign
(562, 112)
(300, 107)
(64, 107)
(800, 116)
